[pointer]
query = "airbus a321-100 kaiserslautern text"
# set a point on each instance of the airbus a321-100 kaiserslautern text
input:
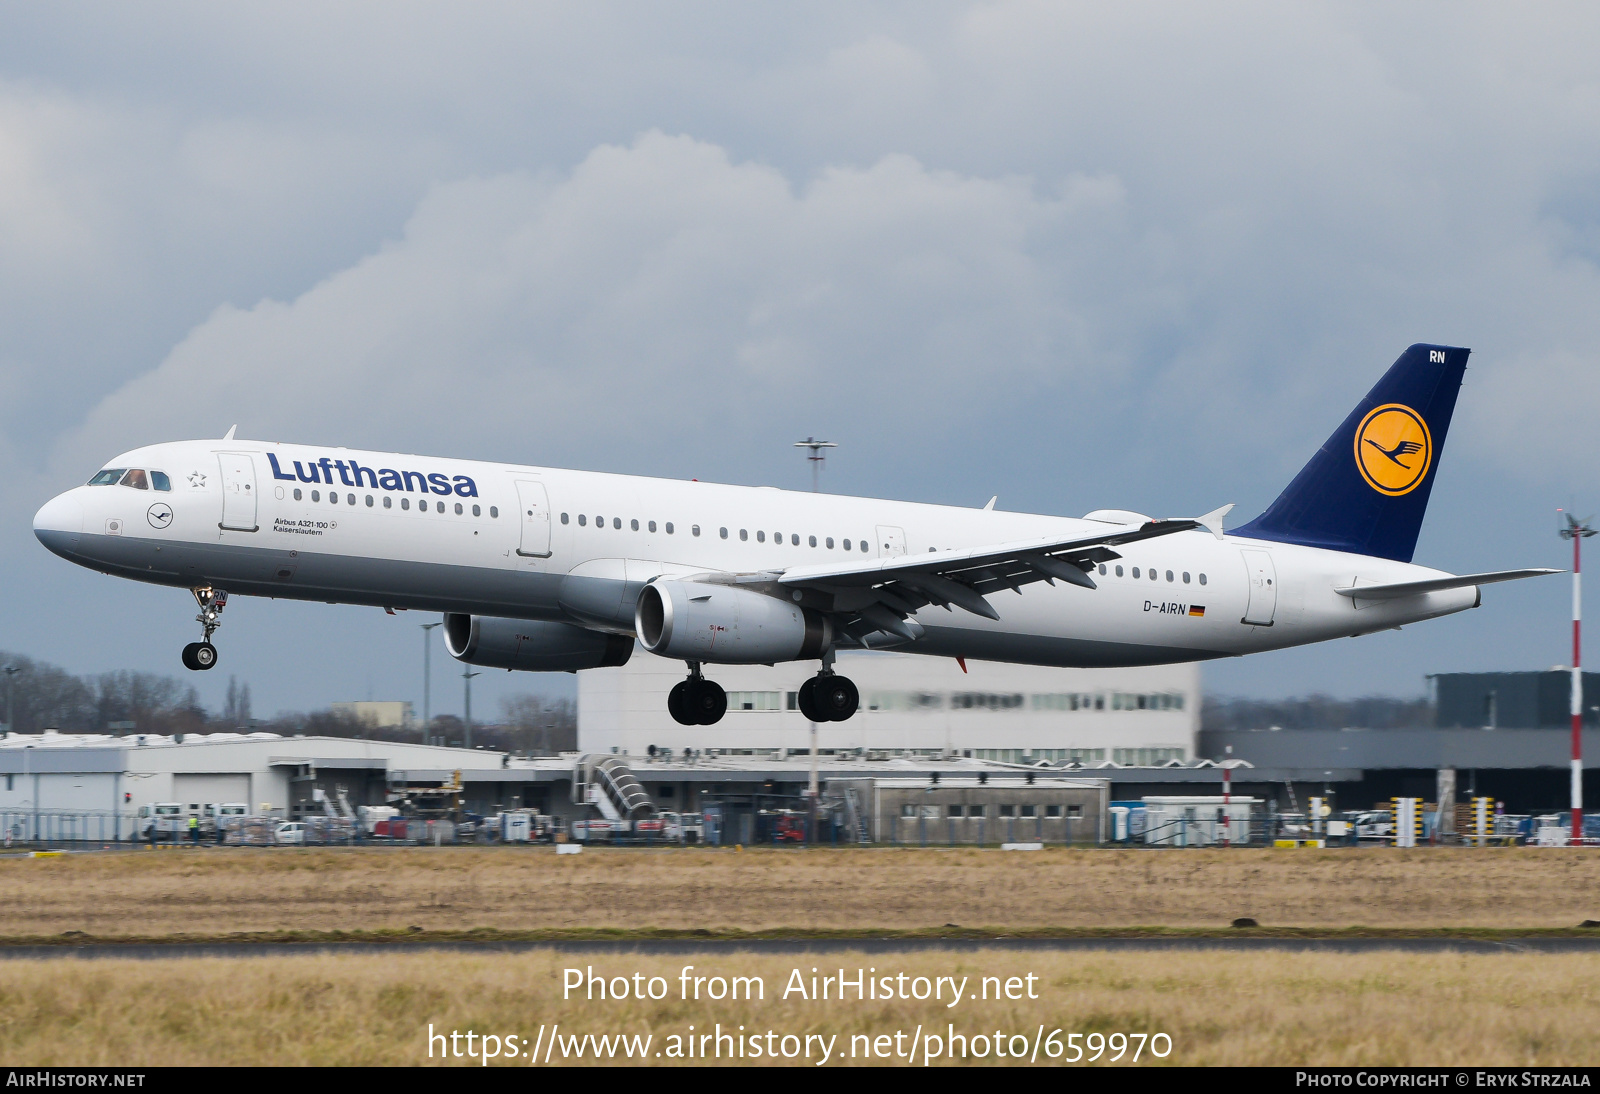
(544, 569)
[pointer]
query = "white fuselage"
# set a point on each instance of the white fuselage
(482, 546)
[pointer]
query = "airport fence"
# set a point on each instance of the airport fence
(57, 826)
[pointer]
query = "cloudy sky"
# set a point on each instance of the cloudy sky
(1139, 255)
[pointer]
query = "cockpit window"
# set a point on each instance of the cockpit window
(109, 477)
(160, 481)
(137, 479)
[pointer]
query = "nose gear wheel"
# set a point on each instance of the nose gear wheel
(202, 655)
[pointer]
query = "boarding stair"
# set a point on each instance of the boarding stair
(608, 784)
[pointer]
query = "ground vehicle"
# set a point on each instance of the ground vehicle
(162, 822)
(290, 832)
(683, 827)
(1374, 827)
(597, 829)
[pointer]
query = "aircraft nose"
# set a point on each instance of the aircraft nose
(59, 522)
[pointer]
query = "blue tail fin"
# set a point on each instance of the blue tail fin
(1366, 489)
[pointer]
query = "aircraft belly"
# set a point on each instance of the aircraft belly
(1054, 650)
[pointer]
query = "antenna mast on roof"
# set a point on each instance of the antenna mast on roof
(1577, 531)
(817, 457)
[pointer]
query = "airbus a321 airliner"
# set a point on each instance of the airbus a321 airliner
(543, 569)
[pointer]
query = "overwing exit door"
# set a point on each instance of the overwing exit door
(891, 541)
(534, 516)
(238, 492)
(1263, 588)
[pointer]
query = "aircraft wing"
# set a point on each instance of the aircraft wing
(1437, 584)
(879, 594)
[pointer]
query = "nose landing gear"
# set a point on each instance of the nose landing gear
(697, 701)
(202, 654)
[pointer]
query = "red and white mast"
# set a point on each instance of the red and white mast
(1577, 531)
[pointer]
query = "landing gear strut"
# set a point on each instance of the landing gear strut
(202, 654)
(697, 701)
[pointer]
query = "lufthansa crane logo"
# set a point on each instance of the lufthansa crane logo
(1393, 449)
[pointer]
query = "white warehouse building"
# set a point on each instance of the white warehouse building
(909, 704)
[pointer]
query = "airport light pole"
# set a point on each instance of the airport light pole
(466, 730)
(817, 458)
(11, 697)
(1577, 531)
(427, 680)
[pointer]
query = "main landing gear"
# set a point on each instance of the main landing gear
(697, 701)
(202, 654)
(828, 697)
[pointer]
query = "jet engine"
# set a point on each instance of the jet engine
(531, 645)
(720, 624)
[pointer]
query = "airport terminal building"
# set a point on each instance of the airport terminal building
(910, 704)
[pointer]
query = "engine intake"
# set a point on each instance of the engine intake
(689, 621)
(532, 645)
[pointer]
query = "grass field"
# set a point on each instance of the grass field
(1282, 1008)
(223, 891)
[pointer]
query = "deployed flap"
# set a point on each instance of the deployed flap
(1436, 585)
(871, 594)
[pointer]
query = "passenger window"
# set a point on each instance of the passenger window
(159, 478)
(616, 523)
(1169, 575)
(812, 540)
(333, 497)
(350, 499)
(388, 502)
(1102, 569)
(723, 532)
(1202, 579)
(652, 526)
(794, 539)
(777, 537)
(582, 520)
(829, 541)
(761, 537)
(423, 504)
(1136, 571)
(297, 494)
(669, 527)
(695, 530)
(846, 545)
(405, 503)
(744, 534)
(136, 479)
(476, 511)
(458, 508)
(634, 525)
(316, 495)
(1152, 575)
(494, 511)
(563, 518)
(369, 501)
(1119, 571)
(1186, 577)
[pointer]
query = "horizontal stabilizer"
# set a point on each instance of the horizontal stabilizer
(1436, 585)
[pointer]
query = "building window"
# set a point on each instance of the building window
(1029, 811)
(1008, 810)
(793, 701)
(908, 811)
(952, 811)
(753, 700)
(1052, 812)
(974, 810)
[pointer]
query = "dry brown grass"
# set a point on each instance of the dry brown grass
(1280, 1008)
(217, 891)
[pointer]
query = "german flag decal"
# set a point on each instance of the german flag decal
(1197, 609)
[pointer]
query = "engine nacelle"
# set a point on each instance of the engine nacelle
(532, 645)
(720, 624)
